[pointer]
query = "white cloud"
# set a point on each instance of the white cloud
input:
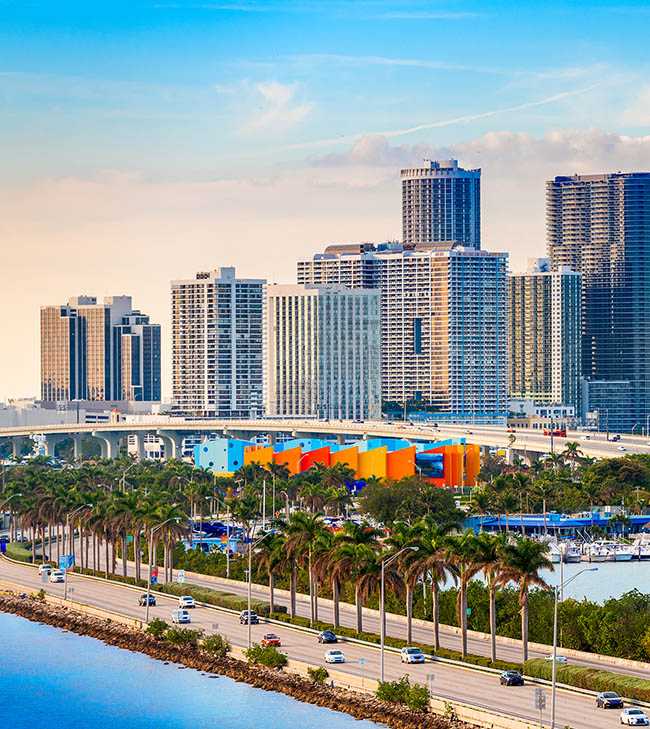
(278, 107)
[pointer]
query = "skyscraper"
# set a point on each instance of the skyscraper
(441, 202)
(217, 338)
(443, 323)
(92, 351)
(544, 335)
(599, 226)
(323, 354)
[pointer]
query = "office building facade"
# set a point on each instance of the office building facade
(323, 352)
(599, 226)
(99, 351)
(443, 324)
(441, 202)
(544, 335)
(217, 345)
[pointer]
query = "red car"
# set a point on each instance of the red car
(270, 639)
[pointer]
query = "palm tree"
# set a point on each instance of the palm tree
(403, 536)
(522, 561)
(572, 454)
(490, 558)
(359, 563)
(270, 556)
(463, 552)
(302, 531)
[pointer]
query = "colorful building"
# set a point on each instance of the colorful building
(444, 463)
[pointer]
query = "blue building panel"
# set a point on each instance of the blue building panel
(223, 455)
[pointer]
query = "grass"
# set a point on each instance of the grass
(16, 551)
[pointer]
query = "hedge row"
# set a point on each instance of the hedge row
(593, 679)
(18, 552)
(201, 594)
(398, 643)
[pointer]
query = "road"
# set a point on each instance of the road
(449, 682)
(395, 624)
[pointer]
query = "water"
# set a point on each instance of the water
(612, 579)
(52, 678)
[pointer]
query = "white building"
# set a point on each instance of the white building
(217, 345)
(443, 323)
(323, 352)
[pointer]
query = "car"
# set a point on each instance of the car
(634, 717)
(558, 659)
(186, 601)
(411, 655)
(181, 616)
(143, 600)
(45, 569)
(327, 636)
(334, 656)
(511, 678)
(609, 700)
(585, 437)
(245, 618)
(621, 448)
(57, 576)
(270, 639)
(615, 437)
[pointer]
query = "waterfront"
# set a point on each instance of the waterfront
(612, 579)
(53, 677)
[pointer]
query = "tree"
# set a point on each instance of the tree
(490, 558)
(302, 531)
(463, 552)
(522, 561)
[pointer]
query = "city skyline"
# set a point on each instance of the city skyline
(129, 143)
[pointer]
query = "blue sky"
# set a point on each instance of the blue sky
(144, 140)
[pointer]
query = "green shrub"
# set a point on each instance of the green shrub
(269, 656)
(40, 595)
(157, 628)
(593, 679)
(17, 551)
(216, 645)
(183, 636)
(318, 674)
(416, 697)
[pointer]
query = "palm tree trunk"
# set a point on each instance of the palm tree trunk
(271, 592)
(524, 625)
(292, 590)
(33, 545)
(336, 600)
(58, 542)
(409, 614)
(359, 606)
(493, 623)
(49, 540)
(435, 609)
(124, 552)
(311, 588)
(136, 551)
(42, 543)
(463, 618)
(87, 537)
(315, 601)
(106, 557)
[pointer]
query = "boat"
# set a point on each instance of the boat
(641, 548)
(554, 554)
(571, 553)
(596, 553)
(623, 553)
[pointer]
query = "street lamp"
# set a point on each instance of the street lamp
(251, 547)
(68, 517)
(382, 615)
(556, 590)
(151, 535)
(126, 470)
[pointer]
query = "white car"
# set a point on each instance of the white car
(45, 569)
(411, 655)
(634, 717)
(621, 448)
(57, 576)
(558, 659)
(334, 656)
(186, 601)
(181, 616)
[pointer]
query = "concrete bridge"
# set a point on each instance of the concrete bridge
(525, 443)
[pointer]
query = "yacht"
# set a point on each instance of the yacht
(641, 548)
(571, 553)
(596, 552)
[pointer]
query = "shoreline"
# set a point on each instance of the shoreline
(360, 706)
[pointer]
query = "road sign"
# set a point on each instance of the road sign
(44, 576)
(180, 576)
(362, 662)
(540, 699)
(66, 561)
(154, 576)
(468, 611)
(430, 679)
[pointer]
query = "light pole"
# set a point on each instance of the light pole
(382, 615)
(557, 590)
(123, 479)
(151, 535)
(68, 517)
(251, 547)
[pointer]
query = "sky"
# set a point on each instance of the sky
(144, 141)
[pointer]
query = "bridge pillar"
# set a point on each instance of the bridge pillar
(139, 444)
(77, 446)
(173, 442)
(51, 441)
(109, 442)
(17, 444)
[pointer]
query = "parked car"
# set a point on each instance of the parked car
(186, 601)
(143, 600)
(634, 717)
(609, 700)
(181, 616)
(335, 656)
(411, 655)
(57, 576)
(558, 659)
(45, 569)
(270, 639)
(245, 618)
(327, 636)
(511, 678)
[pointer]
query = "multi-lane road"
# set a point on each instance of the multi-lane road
(448, 681)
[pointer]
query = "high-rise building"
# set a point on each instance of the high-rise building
(441, 202)
(217, 345)
(89, 351)
(323, 352)
(443, 323)
(599, 226)
(544, 335)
